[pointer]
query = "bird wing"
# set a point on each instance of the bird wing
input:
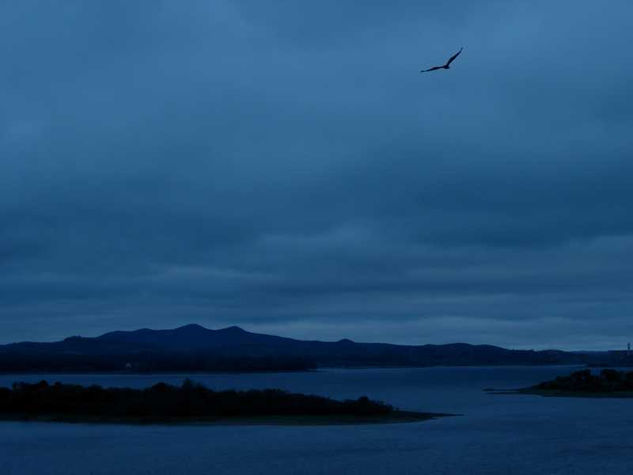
(452, 58)
(434, 68)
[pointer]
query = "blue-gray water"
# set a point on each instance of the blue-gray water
(496, 434)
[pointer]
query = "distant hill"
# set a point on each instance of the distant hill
(195, 348)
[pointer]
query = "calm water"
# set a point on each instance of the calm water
(495, 435)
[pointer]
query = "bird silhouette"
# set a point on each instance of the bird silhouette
(446, 66)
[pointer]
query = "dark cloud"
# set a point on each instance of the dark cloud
(283, 166)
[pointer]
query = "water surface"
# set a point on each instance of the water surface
(497, 434)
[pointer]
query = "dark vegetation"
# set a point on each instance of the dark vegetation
(166, 403)
(607, 381)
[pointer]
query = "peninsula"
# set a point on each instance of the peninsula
(607, 383)
(190, 403)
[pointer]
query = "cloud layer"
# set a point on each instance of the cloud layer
(283, 166)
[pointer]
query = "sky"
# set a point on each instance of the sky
(283, 166)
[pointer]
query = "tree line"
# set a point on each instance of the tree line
(164, 401)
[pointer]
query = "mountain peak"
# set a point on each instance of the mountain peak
(192, 327)
(196, 328)
(233, 329)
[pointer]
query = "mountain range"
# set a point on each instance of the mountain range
(195, 348)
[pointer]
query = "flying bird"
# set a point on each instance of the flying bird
(446, 66)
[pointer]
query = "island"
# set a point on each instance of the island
(584, 383)
(190, 403)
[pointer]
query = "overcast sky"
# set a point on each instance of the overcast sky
(283, 166)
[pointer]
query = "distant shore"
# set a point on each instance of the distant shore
(609, 383)
(193, 348)
(583, 394)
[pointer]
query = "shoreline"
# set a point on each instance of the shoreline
(561, 393)
(609, 383)
(273, 371)
(397, 417)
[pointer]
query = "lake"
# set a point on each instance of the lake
(496, 434)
